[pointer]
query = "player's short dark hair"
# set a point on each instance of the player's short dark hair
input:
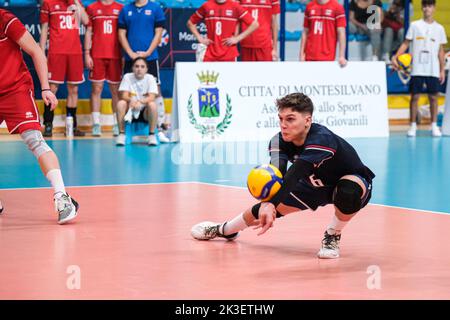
(137, 59)
(428, 3)
(296, 101)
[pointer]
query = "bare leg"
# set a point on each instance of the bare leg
(122, 108)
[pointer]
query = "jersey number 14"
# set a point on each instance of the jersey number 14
(318, 27)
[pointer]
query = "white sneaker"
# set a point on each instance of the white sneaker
(386, 58)
(436, 132)
(163, 138)
(411, 132)
(116, 130)
(208, 230)
(152, 140)
(120, 140)
(66, 207)
(330, 246)
(375, 58)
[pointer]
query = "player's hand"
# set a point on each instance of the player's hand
(49, 99)
(205, 41)
(274, 55)
(133, 55)
(342, 61)
(442, 77)
(231, 41)
(302, 56)
(134, 104)
(267, 215)
(88, 61)
(394, 63)
(142, 54)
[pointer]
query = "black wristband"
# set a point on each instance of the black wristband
(46, 90)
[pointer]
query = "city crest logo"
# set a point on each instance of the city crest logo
(208, 122)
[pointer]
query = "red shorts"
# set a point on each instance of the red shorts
(256, 54)
(106, 69)
(65, 67)
(19, 111)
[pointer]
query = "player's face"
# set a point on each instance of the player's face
(293, 124)
(428, 11)
(140, 69)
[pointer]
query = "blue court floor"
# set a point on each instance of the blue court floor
(410, 173)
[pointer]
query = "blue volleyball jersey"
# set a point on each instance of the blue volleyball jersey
(140, 23)
(331, 156)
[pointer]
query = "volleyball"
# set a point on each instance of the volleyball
(264, 181)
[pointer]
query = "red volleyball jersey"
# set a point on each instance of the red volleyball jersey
(322, 20)
(103, 20)
(63, 19)
(14, 75)
(221, 20)
(262, 11)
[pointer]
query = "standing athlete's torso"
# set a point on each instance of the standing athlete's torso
(14, 74)
(103, 19)
(63, 18)
(322, 21)
(262, 11)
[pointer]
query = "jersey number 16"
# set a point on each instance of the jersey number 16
(107, 27)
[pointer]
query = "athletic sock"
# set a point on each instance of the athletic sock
(72, 112)
(56, 179)
(48, 114)
(336, 226)
(96, 117)
(235, 225)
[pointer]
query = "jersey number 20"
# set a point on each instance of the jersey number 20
(65, 22)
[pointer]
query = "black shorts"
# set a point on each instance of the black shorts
(305, 196)
(152, 65)
(428, 85)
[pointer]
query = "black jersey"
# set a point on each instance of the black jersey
(331, 156)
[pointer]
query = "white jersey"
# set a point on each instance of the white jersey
(138, 88)
(427, 39)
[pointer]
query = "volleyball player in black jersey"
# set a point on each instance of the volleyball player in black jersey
(325, 170)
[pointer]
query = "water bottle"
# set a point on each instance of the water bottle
(69, 127)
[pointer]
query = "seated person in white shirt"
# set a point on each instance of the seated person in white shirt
(138, 91)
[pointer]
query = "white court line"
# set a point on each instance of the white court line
(208, 184)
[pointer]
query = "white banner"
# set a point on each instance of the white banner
(235, 101)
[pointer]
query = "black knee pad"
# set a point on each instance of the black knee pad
(255, 211)
(347, 196)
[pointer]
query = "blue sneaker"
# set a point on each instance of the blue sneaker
(96, 130)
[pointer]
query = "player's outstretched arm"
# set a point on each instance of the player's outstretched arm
(27, 43)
